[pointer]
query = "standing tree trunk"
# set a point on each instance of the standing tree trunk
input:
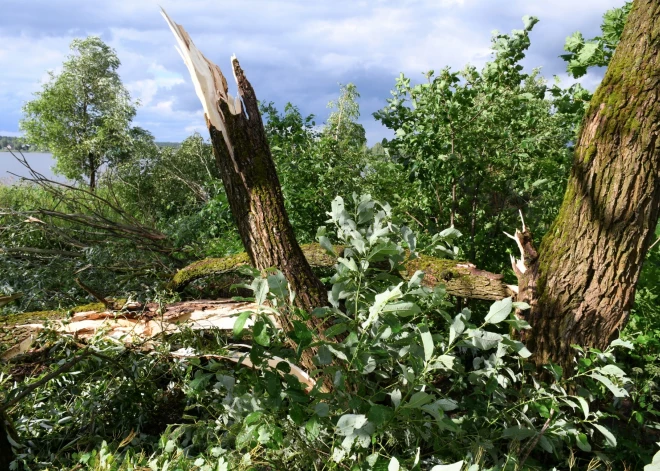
(248, 172)
(92, 173)
(581, 285)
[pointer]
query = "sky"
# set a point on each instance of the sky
(296, 51)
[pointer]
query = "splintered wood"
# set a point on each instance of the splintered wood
(144, 326)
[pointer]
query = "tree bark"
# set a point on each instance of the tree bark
(248, 173)
(92, 173)
(581, 285)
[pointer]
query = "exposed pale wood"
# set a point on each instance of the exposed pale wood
(143, 328)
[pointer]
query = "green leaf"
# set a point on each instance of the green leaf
(260, 287)
(278, 285)
(409, 236)
(335, 330)
(456, 328)
(609, 437)
(447, 405)
(403, 308)
(450, 233)
(378, 414)
(518, 324)
(582, 442)
(322, 409)
(655, 463)
(520, 305)
(240, 322)
(574, 42)
(324, 355)
(396, 398)
(418, 399)
(347, 423)
(313, 428)
(499, 311)
(518, 432)
(253, 418)
(443, 362)
(427, 342)
(416, 280)
(327, 245)
(348, 263)
(546, 444)
(380, 301)
(622, 343)
(518, 347)
(584, 405)
(616, 390)
(613, 370)
(529, 22)
(260, 333)
(485, 340)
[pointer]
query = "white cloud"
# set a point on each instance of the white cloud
(146, 89)
(291, 50)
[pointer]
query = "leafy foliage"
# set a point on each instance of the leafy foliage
(406, 380)
(483, 145)
(413, 386)
(83, 115)
(314, 165)
(596, 52)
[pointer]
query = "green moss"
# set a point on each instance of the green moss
(31, 317)
(208, 267)
(34, 317)
(315, 254)
(437, 270)
(589, 154)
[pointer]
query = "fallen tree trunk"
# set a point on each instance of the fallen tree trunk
(142, 328)
(461, 279)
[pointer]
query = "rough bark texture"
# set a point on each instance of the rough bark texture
(248, 172)
(255, 197)
(582, 285)
(461, 279)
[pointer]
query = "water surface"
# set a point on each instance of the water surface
(41, 162)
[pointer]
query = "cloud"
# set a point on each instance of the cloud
(291, 50)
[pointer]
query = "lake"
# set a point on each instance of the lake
(41, 162)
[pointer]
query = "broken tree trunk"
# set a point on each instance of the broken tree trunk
(248, 172)
(461, 279)
(581, 284)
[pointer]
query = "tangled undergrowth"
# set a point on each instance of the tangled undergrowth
(412, 387)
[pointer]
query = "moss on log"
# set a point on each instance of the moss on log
(460, 279)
